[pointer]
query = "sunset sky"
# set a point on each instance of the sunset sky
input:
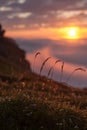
(57, 28)
(43, 18)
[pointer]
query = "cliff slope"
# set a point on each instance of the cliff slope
(12, 57)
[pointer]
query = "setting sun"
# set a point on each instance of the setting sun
(72, 33)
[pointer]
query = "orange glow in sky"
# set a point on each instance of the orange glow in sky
(71, 33)
(50, 33)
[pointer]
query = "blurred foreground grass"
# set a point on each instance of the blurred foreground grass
(32, 102)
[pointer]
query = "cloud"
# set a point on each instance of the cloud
(21, 1)
(33, 45)
(73, 54)
(19, 15)
(3, 9)
(42, 7)
(51, 13)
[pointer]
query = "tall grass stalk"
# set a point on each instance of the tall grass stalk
(77, 69)
(43, 64)
(62, 68)
(38, 53)
(51, 70)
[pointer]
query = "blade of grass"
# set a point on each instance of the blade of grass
(57, 61)
(77, 69)
(62, 68)
(43, 64)
(51, 70)
(38, 53)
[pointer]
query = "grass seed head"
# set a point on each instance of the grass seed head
(43, 64)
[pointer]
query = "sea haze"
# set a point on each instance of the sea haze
(72, 52)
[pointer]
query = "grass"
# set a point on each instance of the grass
(50, 106)
(31, 102)
(77, 69)
(43, 64)
(51, 70)
(38, 53)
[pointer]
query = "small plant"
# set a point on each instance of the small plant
(43, 64)
(62, 67)
(77, 69)
(51, 70)
(38, 53)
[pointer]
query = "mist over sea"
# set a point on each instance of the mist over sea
(72, 52)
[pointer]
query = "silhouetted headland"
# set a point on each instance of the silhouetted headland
(11, 56)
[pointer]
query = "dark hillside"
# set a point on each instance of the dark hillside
(11, 56)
